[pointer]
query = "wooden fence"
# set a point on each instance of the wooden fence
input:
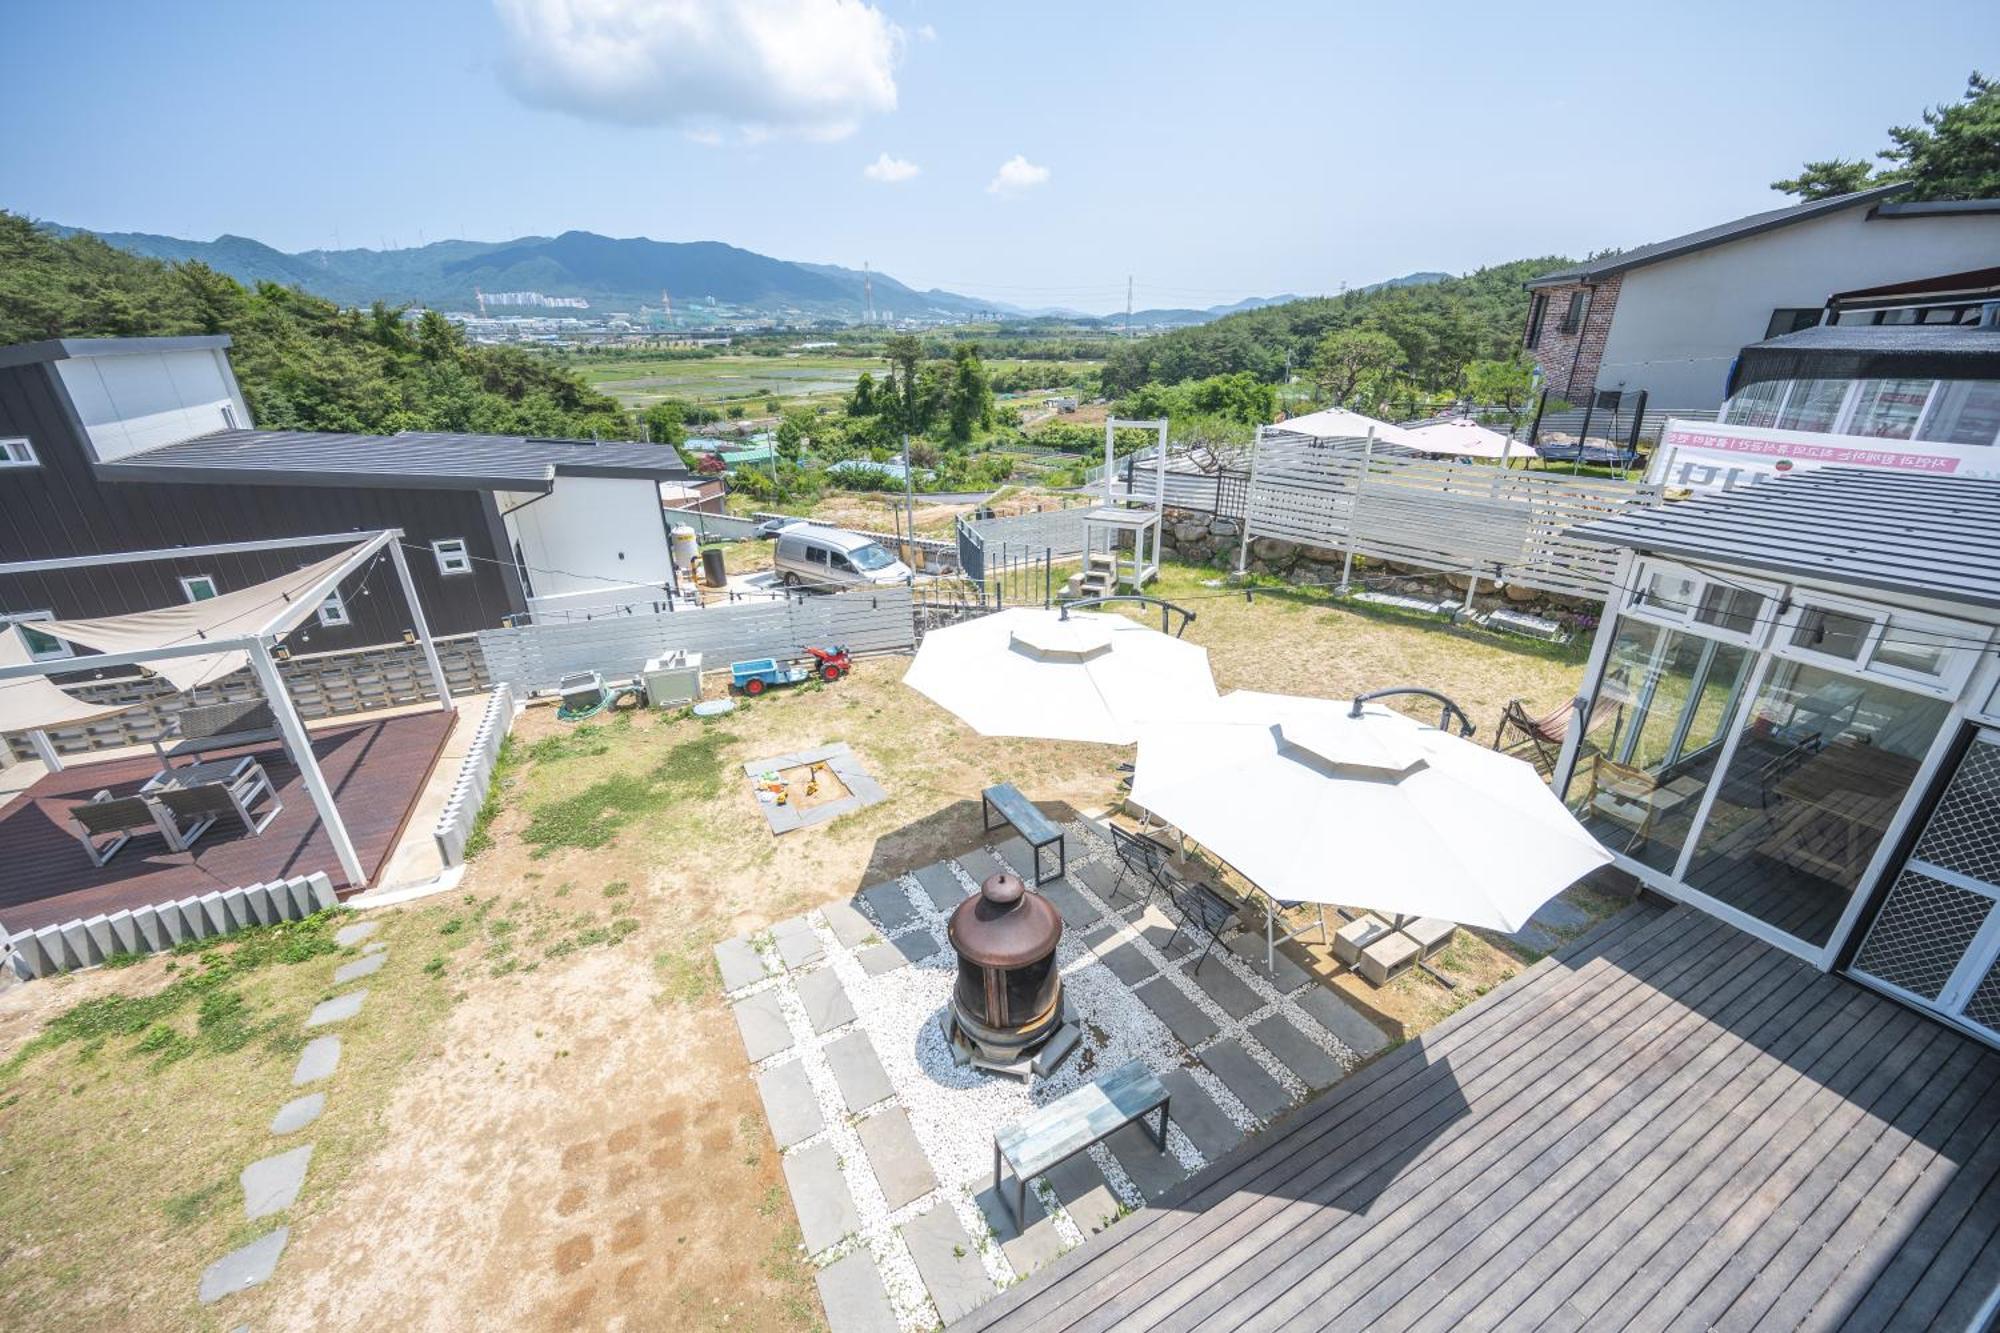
(534, 657)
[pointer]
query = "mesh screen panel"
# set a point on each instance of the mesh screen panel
(1984, 1006)
(1922, 932)
(1963, 834)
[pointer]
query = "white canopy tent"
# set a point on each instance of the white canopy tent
(200, 642)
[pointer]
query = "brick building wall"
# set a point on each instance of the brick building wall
(1570, 361)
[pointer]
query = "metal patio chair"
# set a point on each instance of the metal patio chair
(118, 818)
(189, 812)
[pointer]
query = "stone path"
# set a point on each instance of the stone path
(271, 1184)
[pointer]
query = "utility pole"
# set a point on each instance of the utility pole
(1128, 305)
(909, 503)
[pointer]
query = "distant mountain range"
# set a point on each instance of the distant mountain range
(613, 275)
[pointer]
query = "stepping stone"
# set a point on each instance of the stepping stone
(942, 886)
(797, 945)
(857, 1071)
(740, 963)
(1026, 1249)
(890, 905)
(1182, 1016)
(1536, 939)
(1127, 961)
(317, 1061)
(981, 865)
(349, 936)
(1199, 1117)
(855, 1300)
(880, 958)
(1160, 932)
(849, 926)
(337, 1010)
(1078, 912)
(1227, 989)
(820, 1197)
(375, 947)
(1338, 1015)
(366, 966)
(1016, 853)
(901, 1168)
(790, 1104)
(915, 945)
(297, 1113)
(1561, 914)
(761, 1020)
(1249, 946)
(1153, 1171)
(272, 1185)
(1315, 1067)
(826, 1004)
(1085, 1193)
(1101, 878)
(241, 1269)
(948, 1261)
(1239, 1071)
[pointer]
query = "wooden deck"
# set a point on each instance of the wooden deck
(377, 770)
(1672, 1126)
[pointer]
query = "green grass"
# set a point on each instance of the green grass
(691, 771)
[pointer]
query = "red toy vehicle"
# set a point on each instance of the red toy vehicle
(830, 666)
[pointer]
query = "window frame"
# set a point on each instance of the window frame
(1576, 312)
(61, 652)
(1538, 313)
(18, 451)
(1960, 659)
(335, 603)
(452, 563)
(188, 582)
(1637, 607)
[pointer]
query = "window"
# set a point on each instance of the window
(41, 647)
(815, 555)
(15, 451)
(1813, 405)
(1889, 409)
(1755, 404)
(1672, 594)
(840, 562)
(333, 611)
(198, 587)
(1928, 652)
(1787, 319)
(1573, 316)
(452, 557)
(1963, 412)
(872, 557)
(1538, 310)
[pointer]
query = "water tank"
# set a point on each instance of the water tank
(685, 545)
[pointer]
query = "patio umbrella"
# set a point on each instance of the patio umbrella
(1465, 438)
(1030, 672)
(1312, 805)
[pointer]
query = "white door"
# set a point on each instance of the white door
(1936, 941)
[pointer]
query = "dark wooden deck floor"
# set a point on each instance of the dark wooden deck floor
(377, 770)
(1675, 1126)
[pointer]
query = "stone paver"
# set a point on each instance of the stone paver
(366, 966)
(1153, 1171)
(1537, 938)
(1027, 1249)
(247, 1267)
(272, 1185)
(981, 865)
(819, 1195)
(1282, 1038)
(879, 958)
(1077, 911)
(1127, 961)
(790, 1104)
(1086, 1195)
(1249, 946)
(915, 945)
(943, 887)
(901, 1168)
(848, 925)
(1561, 914)
(1198, 1116)
(1231, 1061)
(827, 1006)
(855, 1300)
(1101, 878)
(740, 963)
(317, 1061)
(1182, 1016)
(762, 1023)
(297, 1113)
(349, 936)
(1349, 1025)
(860, 1075)
(1016, 853)
(1160, 931)
(948, 1261)
(890, 905)
(337, 1010)
(1227, 989)
(797, 945)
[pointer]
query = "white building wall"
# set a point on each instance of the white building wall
(592, 535)
(142, 400)
(1680, 323)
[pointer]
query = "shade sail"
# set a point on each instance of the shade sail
(275, 606)
(31, 702)
(1029, 672)
(1467, 439)
(1312, 805)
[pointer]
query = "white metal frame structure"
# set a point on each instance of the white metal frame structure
(258, 646)
(1116, 515)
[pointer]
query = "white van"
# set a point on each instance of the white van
(833, 559)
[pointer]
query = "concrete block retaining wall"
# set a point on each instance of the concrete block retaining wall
(468, 793)
(53, 950)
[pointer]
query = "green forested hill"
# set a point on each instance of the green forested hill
(304, 363)
(1440, 327)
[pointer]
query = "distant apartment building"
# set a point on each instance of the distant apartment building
(1669, 318)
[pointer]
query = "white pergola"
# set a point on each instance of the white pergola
(257, 645)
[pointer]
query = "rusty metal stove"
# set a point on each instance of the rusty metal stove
(1007, 1000)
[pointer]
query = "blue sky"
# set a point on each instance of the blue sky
(1213, 151)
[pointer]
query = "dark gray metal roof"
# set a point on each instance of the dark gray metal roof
(62, 349)
(1936, 536)
(416, 458)
(1931, 339)
(1708, 237)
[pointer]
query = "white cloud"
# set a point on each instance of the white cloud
(890, 170)
(1016, 174)
(807, 68)
(926, 33)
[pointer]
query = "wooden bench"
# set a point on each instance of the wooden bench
(1070, 1124)
(1033, 826)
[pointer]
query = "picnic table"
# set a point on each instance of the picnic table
(1071, 1123)
(1033, 826)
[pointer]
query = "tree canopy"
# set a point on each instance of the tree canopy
(1952, 153)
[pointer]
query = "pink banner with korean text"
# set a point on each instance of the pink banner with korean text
(1707, 455)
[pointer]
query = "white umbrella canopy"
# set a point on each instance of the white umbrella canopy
(1465, 438)
(1382, 812)
(1090, 677)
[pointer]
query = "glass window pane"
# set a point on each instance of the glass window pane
(1821, 765)
(1754, 404)
(1964, 412)
(1734, 609)
(1669, 591)
(1888, 409)
(1906, 648)
(1832, 633)
(43, 645)
(1813, 405)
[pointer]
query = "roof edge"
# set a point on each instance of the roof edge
(64, 349)
(1930, 208)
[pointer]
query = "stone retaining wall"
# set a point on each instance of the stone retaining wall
(88, 942)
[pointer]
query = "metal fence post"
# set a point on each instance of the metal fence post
(1354, 515)
(1249, 502)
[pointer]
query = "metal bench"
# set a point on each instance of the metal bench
(1071, 1123)
(1033, 826)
